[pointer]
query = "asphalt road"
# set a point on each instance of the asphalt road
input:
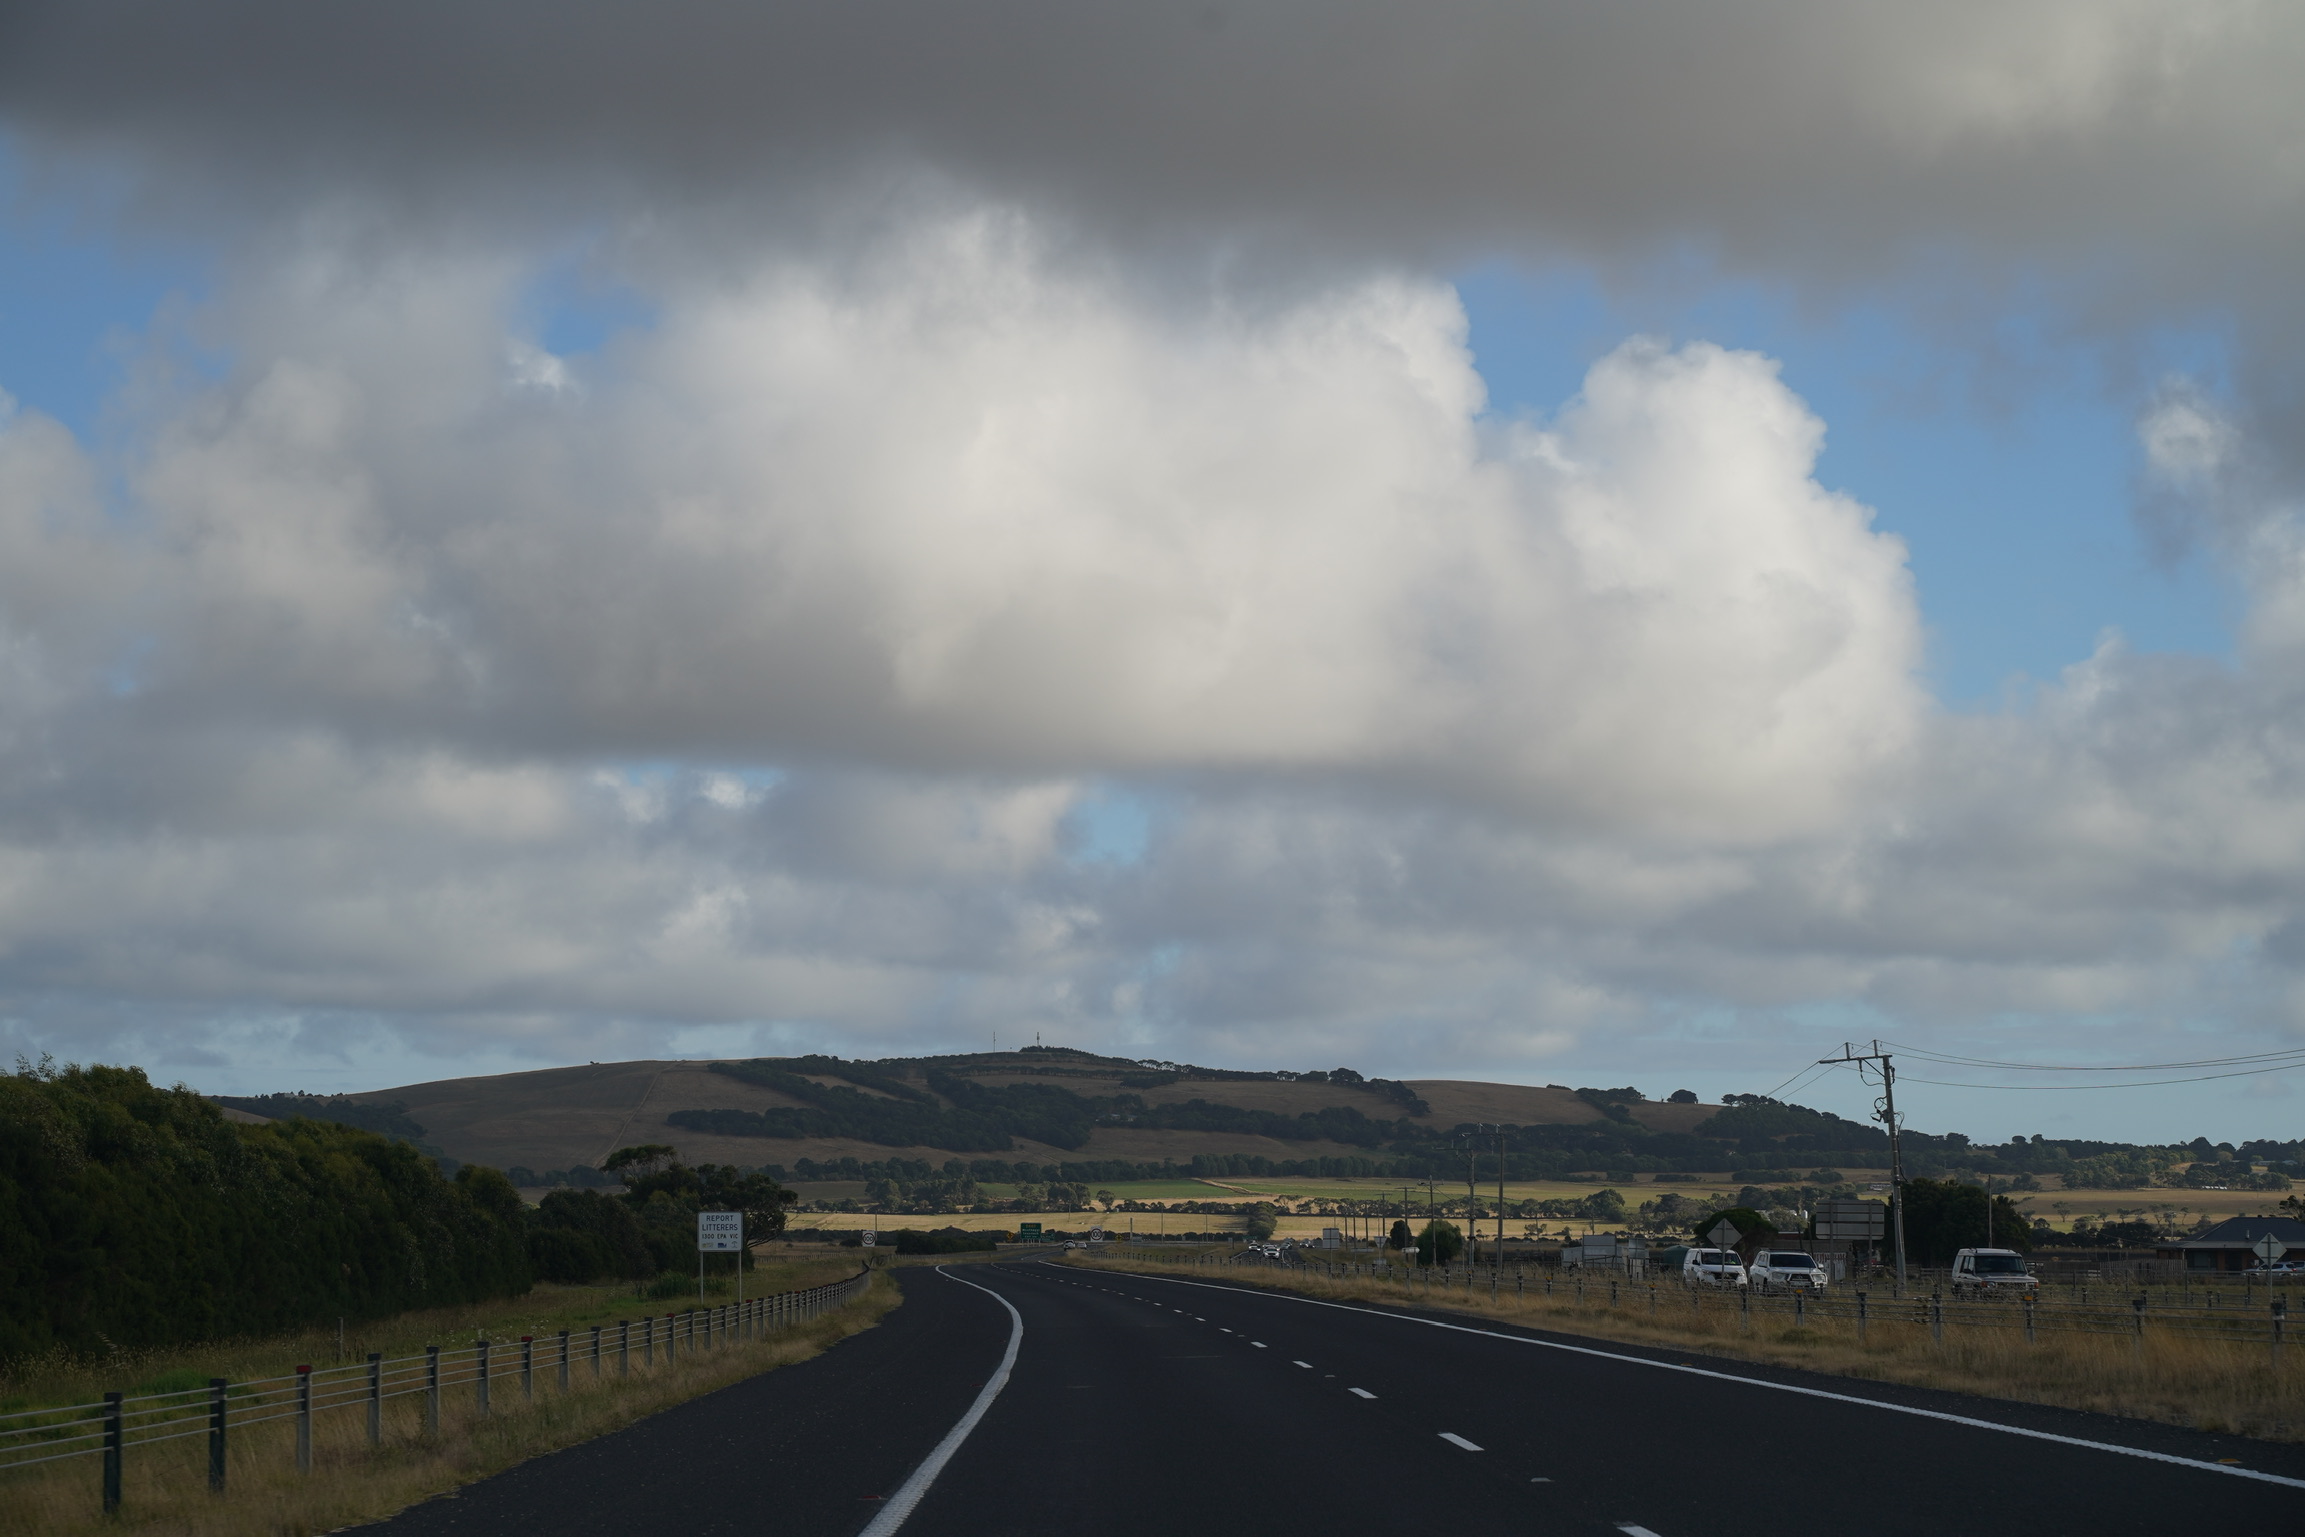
(1138, 1402)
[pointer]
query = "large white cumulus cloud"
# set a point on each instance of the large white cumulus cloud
(964, 509)
(346, 699)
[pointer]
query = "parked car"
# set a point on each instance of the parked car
(1986, 1271)
(1787, 1270)
(2279, 1270)
(1713, 1267)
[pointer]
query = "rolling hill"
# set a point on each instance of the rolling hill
(1045, 1106)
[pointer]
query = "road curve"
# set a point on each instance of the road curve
(1138, 1401)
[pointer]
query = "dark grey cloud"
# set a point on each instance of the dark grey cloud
(1787, 126)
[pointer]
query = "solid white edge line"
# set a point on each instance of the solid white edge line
(1756, 1382)
(899, 1507)
(1362, 1392)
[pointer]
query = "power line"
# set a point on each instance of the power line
(2290, 1057)
(1803, 1073)
(2138, 1083)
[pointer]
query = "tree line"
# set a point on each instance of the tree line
(133, 1217)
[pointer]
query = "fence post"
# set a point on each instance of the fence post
(480, 1383)
(2280, 1317)
(217, 1387)
(528, 1368)
(1744, 1310)
(304, 1419)
(2029, 1335)
(1652, 1297)
(432, 1390)
(1612, 1293)
(375, 1398)
(596, 1352)
(648, 1340)
(1937, 1316)
(564, 1360)
(2139, 1307)
(624, 1347)
(1861, 1319)
(115, 1439)
(1800, 1309)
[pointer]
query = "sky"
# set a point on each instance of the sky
(1561, 544)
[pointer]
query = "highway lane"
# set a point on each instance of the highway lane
(1136, 1402)
(1167, 1394)
(810, 1448)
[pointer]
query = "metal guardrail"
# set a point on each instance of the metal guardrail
(109, 1428)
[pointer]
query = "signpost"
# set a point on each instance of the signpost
(2269, 1249)
(1724, 1235)
(720, 1232)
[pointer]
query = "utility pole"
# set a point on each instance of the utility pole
(1471, 1143)
(1500, 1200)
(1885, 1109)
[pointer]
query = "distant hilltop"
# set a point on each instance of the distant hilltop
(1033, 1112)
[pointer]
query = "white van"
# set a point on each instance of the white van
(1787, 1270)
(1986, 1271)
(1713, 1267)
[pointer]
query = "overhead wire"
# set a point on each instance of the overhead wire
(2135, 1083)
(2288, 1057)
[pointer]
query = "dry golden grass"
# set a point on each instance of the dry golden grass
(2206, 1384)
(165, 1491)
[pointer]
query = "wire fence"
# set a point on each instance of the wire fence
(479, 1374)
(2176, 1313)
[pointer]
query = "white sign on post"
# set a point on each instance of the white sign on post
(719, 1232)
(1724, 1234)
(2270, 1248)
(870, 1238)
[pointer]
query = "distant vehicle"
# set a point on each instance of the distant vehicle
(2279, 1270)
(1787, 1270)
(1713, 1267)
(1986, 1271)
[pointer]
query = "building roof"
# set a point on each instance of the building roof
(2241, 1232)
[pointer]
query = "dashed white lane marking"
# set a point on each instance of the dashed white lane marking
(1260, 1344)
(1685, 1369)
(1454, 1439)
(1307, 1365)
(1221, 1329)
(1361, 1392)
(1635, 1531)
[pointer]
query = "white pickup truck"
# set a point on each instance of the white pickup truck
(1787, 1270)
(1987, 1271)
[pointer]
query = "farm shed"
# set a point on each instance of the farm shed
(2231, 1244)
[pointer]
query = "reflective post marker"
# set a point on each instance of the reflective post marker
(115, 1440)
(304, 1419)
(432, 1390)
(217, 1387)
(375, 1398)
